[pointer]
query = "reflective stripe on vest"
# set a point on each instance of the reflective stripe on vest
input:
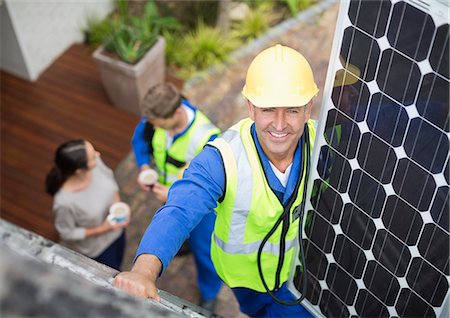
(247, 213)
(198, 139)
(247, 248)
(183, 149)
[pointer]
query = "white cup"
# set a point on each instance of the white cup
(148, 177)
(118, 212)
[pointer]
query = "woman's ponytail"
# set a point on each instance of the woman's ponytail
(53, 181)
(69, 157)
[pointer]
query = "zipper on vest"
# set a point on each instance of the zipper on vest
(285, 218)
(165, 166)
(284, 230)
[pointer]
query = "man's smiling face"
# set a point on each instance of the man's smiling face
(279, 128)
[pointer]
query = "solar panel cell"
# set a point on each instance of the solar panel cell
(398, 77)
(440, 52)
(432, 242)
(370, 16)
(369, 306)
(358, 226)
(349, 256)
(381, 283)
(411, 31)
(367, 193)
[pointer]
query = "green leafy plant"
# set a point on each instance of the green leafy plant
(95, 31)
(130, 37)
(189, 12)
(257, 3)
(295, 6)
(174, 55)
(258, 21)
(199, 49)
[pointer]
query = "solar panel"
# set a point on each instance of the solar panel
(376, 229)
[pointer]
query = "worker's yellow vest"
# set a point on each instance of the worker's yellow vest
(170, 162)
(248, 212)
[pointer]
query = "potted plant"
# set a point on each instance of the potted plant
(131, 57)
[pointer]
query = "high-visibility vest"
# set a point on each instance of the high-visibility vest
(248, 212)
(170, 162)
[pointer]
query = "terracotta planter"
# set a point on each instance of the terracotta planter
(127, 84)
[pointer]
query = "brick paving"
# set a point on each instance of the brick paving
(218, 95)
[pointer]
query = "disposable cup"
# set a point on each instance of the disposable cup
(148, 177)
(118, 212)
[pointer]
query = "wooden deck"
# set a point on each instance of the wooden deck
(67, 102)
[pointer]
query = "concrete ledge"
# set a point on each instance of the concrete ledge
(42, 278)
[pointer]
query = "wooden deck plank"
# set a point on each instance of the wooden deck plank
(68, 101)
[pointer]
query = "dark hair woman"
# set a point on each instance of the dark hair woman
(83, 190)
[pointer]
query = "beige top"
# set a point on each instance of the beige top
(76, 211)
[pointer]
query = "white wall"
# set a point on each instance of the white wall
(42, 30)
(11, 57)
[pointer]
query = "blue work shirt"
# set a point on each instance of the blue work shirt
(196, 195)
(141, 146)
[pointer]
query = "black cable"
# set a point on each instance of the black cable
(306, 145)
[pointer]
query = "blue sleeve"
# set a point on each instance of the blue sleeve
(140, 145)
(189, 200)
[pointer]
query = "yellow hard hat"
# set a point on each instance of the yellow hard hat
(279, 77)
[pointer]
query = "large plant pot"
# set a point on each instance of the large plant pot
(127, 84)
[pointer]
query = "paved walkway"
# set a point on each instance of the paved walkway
(218, 95)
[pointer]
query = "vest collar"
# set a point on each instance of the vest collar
(185, 103)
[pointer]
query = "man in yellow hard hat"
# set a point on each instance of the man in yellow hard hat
(254, 177)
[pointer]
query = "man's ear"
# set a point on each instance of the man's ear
(178, 113)
(251, 110)
(308, 110)
(179, 110)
